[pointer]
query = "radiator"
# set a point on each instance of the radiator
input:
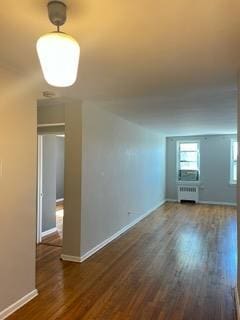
(189, 193)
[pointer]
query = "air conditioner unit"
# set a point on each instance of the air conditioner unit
(188, 193)
(188, 175)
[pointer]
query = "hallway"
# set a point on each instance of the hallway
(178, 263)
(55, 239)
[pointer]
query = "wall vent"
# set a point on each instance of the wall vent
(188, 193)
(48, 94)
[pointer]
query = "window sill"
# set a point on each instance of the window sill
(195, 183)
(233, 183)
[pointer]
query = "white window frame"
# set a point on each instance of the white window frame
(178, 161)
(232, 181)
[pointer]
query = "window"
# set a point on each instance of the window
(233, 169)
(188, 165)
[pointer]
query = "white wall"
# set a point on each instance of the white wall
(49, 173)
(60, 167)
(123, 169)
(214, 168)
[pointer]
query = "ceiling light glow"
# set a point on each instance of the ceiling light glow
(58, 52)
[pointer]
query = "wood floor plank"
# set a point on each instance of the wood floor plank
(177, 264)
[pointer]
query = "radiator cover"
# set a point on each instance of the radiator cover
(188, 193)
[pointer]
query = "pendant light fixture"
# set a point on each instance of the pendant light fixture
(57, 51)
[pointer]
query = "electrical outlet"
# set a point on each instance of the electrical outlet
(129, 212)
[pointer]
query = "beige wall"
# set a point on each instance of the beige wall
(17, 187)
(238, 195)
(123, 170)
(72, 179)
(51, 130)
(51, 111)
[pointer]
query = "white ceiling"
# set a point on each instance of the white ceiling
(168, 65)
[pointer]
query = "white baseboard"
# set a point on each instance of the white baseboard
(208, 202)
(59, 200)
(118, 233)
(66, 257)
(171, 200)
(237, 303)
(48, 232)
(18, 304)
(218, 203)
(110, 239)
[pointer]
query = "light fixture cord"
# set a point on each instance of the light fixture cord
(58, 28)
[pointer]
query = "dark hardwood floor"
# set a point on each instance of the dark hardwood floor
(178, 263)
(52, 240)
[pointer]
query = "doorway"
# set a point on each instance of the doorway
(50, 203)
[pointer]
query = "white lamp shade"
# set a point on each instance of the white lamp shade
(59, 58)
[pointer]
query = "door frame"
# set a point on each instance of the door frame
(40, 180)
(39, 187)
